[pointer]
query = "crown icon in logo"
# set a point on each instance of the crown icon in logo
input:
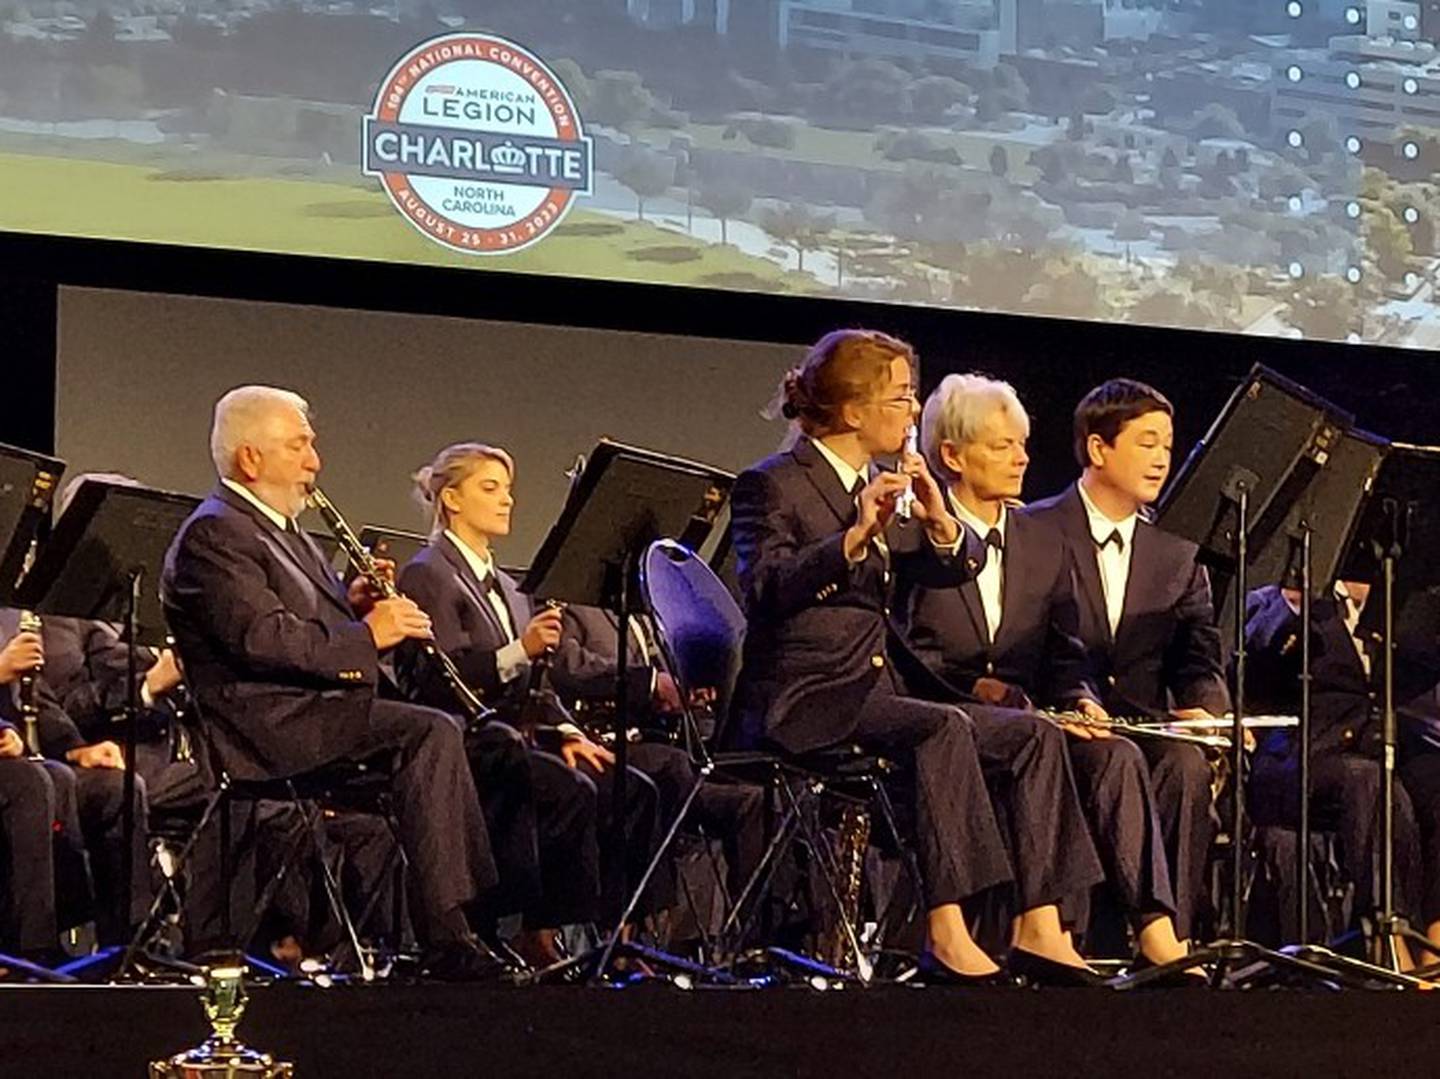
(507, 158)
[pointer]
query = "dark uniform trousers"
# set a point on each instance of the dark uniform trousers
(27, 858)
(958, 843)
(90, 807)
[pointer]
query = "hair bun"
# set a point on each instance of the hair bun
(421, 479)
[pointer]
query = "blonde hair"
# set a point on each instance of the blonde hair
(956, 411)
(451, 467)
(237, 416)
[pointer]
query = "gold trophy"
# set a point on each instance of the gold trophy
(223, 999)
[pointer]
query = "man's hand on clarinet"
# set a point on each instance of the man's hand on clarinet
(394, 620)
(363, 594)
(23, 653)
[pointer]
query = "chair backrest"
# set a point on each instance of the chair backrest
(700, 626)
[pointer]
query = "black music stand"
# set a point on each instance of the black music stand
(1235, 489)
(27, 485)
(1397, 545)
(110, 539)
(624, 500)
(392, 543)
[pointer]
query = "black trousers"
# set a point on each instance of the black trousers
(1026, 764)
(733, 813)
(567, 812)
(500, 764)
(27, 865)
(90, 807)
(640, 833)
(958, 842)
(1113, 780)
(1180, 776)
(1420, 777)
(1345, 799)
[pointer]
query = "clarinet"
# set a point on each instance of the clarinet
(364, 562)
(29, 706)
(541, 703)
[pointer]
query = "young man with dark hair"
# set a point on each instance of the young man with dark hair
(1144, 610)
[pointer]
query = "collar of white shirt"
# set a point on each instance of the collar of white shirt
(278, 519)
(975, 524)
(1101, 526)
(478, 563)
(843, 469)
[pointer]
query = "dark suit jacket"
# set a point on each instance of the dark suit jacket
(86, 663)
(1343, 699)
(584, 667)
(440, 580)
(820, 635)
(1037, 649)
(58, 734)
(281, 671)
(1166, 651)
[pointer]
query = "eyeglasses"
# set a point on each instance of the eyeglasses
(906, 402)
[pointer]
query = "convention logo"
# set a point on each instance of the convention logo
(477, 143)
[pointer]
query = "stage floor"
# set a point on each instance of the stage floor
(659, 1030)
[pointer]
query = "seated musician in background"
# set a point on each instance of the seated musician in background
(87, 667)
(818, 541)
(1009, 636)
(1144, 611)
(89, 786)
(584, 675)
(486, 625)
(28, 924)
(1345, 745)
(283, 665)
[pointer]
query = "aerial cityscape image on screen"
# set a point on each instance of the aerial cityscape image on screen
(1254, 166)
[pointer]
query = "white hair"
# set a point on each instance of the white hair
(238, 415)
(957, 410)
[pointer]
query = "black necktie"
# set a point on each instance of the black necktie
(1114, 538)
(994, 539)
(857, 487)
(305, 551)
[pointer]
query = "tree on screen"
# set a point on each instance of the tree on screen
(999, 161)
(646, 173)
(797, 225)
(620, 99)
(1323, 308)
(934, 96)
(866, 93)
(725, 199)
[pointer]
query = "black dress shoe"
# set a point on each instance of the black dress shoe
(1038, 970)
(933, 972)
(464, 960)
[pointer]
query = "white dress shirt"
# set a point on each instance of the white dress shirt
(1114, 562)
(274, 516)
(991, 579)
(511, 661)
